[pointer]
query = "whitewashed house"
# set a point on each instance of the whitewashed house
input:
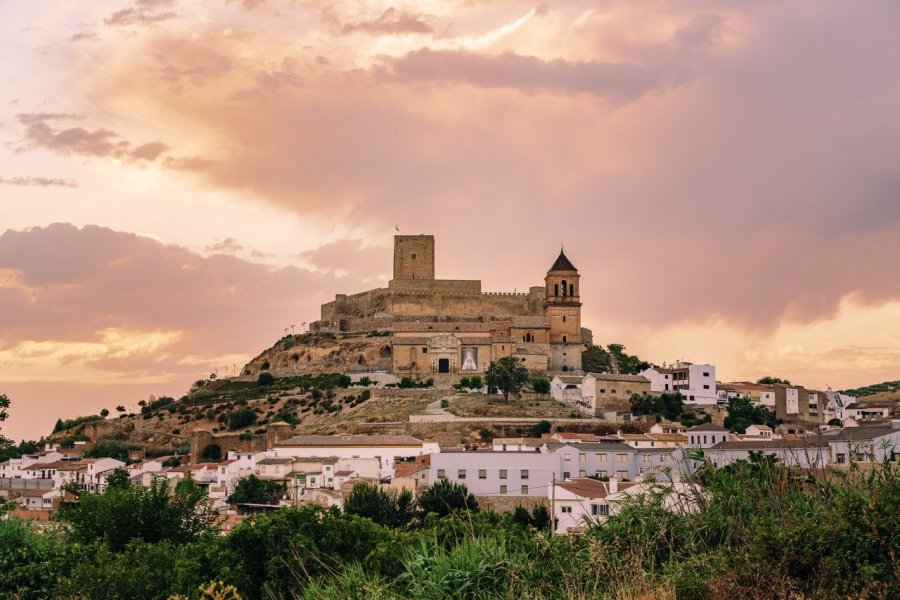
(697, 383)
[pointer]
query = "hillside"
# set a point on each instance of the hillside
(877, 391)
(323, 353)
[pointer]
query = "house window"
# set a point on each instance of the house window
(502, 473)
(603, 473)
(441, 474)
(704, 439)
(622, 474)
(582, 457)
(424, 350)
(566, 510)
(524, 474)
(567, 456)
(646, 458)
(706, 373)
(841, 459)
(612, 391)
(601, 457)
(582, 473)
(599, 510)
(621, 458)
(502, 489)
(461, 474)
(524, 490)
(705, 386)
(482, 473)
(566, 475)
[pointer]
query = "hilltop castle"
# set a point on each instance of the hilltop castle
(451, 326)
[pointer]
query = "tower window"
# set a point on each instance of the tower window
(571, 289)
(414, 257)
(564, 287)
(565, 339)
(564, 318)
(556, 289)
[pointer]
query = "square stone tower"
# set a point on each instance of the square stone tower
(414, 257)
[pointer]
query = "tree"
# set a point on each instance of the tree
(253, 490)
(668, 405)
(595, 359)
(242, 417)
(118, 478)
(540, 428)
(120, 408)
(836, 423)
(5, 444)
(388, 508)
(540, 385)
(122, 514)
(508, 375)
(742, 413)
(769, 380)
(364, 381)
(172, 461)
(265, 378)
(475, 382)
(4, 405)
(344, 381)
(445, 497)
(108, 449)
(104, 413)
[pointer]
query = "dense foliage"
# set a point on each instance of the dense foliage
(877, 388)
(597, 359)
(756, 530)
(742, 413)
(253, 490)
(666, 405)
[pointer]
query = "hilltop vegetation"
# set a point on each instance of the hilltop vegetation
(597, 359)
(886, 387)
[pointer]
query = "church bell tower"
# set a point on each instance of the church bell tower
(562, 307)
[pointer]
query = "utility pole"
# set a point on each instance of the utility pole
(553, 505)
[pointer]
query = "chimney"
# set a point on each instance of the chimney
(613, 485)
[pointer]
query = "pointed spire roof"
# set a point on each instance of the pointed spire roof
(563, 263)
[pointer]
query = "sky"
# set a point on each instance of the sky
(180, 180)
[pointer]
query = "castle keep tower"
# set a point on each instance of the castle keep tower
(562, 307)
(414, 257)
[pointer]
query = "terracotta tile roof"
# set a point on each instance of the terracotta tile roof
(619, 377)
(707, 427)
(591, 488)
(344, 473)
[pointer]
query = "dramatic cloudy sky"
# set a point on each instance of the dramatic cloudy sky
(181, 179)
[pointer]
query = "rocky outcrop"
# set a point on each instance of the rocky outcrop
(323, 353)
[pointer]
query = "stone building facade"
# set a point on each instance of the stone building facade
(451, 326)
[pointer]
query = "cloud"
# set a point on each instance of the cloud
(84, 36)
(42, 133)
(95, 306)
(617, 81)
(392, 21)
(227, 246)
(248, 4)
(144, 12)
(39, 182)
